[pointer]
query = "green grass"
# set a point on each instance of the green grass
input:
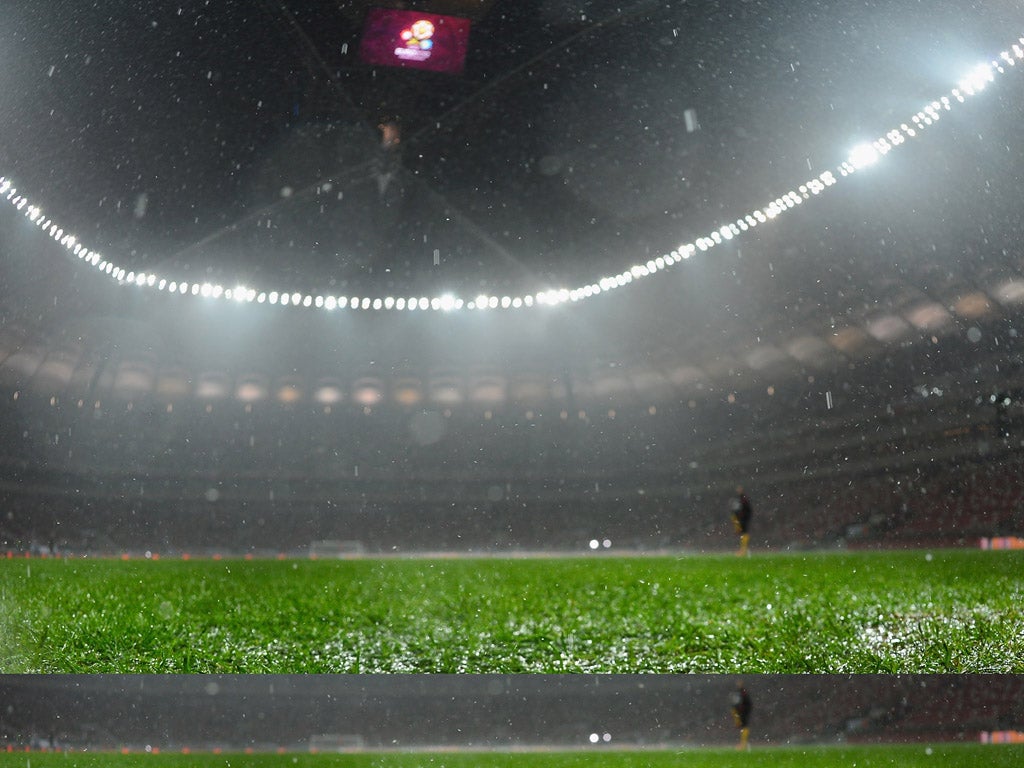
(951, 611)
(906, 756)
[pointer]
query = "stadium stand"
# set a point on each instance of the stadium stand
(250, 480)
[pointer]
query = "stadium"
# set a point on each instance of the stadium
(508, 332)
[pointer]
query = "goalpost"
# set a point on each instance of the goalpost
(336, 548)
(336, 742)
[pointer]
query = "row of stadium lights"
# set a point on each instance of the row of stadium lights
(860, 157)
(488, 413)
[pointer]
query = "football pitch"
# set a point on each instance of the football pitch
(951, 611)
(908, 756)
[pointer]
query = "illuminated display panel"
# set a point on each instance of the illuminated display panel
(396, 38)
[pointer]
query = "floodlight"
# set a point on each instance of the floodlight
(863, 155)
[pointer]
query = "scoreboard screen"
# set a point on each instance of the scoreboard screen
(399, 38)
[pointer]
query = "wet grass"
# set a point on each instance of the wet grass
(908, 756)
(913, 612)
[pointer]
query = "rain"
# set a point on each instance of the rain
(509, 339)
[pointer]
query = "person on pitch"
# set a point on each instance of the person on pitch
(741, 513)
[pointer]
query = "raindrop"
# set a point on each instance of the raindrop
(141, 202)
(427, 427)
(549, 165)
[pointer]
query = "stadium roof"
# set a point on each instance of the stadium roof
(651, 199)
